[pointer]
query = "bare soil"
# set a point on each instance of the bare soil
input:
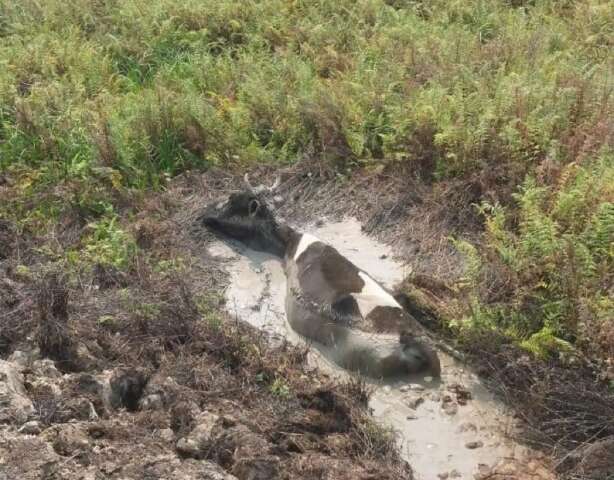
(141, 359)
(139, 374)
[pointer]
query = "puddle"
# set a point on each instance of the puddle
(434, 435)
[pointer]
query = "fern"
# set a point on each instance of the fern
(599, 236)
(560, 256)
(546, 344)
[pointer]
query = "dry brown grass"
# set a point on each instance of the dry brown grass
(54, 338)
(155, 319)
(564, 410)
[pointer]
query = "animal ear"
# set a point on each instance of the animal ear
(254, 206)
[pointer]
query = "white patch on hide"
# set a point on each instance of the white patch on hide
(372, 295)
(305, 241)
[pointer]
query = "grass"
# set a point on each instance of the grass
(148, 89)
(101, 101)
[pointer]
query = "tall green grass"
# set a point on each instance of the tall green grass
(150, 88)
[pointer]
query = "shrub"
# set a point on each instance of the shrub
(557, 256)
(109, 244)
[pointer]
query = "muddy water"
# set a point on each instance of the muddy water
(435, 430)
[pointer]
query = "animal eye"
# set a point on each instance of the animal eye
(254, 206)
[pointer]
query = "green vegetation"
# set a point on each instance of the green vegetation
(547, 281)
(100, 99)
(280, 388)
(566, 240)
(151, 88)
(108, 244)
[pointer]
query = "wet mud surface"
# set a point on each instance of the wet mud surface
(451, 427)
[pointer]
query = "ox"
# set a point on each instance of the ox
(328, 299)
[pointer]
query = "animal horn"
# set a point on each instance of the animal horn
(246, 179)
(276, 184)
(257, 189)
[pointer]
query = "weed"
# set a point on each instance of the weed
(208, 306)
(173, 266)
(557, 260)
(280, 388)
(109, 244)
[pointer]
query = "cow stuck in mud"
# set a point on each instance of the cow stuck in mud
(328, 299)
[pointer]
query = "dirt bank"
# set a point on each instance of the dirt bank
(150, 379)
(137, 373)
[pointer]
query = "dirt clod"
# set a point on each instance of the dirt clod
(32, 427)
(474, 444)
(199, 441)
(127, 388)
(159, 393)
(68, 439)
(15, 406)
(183, 416)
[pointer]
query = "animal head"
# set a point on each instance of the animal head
(246, 217)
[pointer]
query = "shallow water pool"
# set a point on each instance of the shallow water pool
(440, 430)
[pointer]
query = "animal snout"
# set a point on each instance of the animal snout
(209, 220)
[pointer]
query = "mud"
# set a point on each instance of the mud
(213, 388)
(452, 426)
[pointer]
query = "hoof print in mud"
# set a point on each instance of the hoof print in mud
(449, 405)
(474, 444)
(462, 394)
(415, 402)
